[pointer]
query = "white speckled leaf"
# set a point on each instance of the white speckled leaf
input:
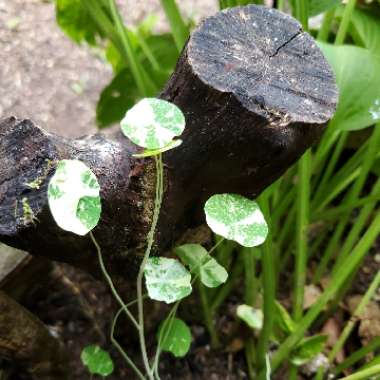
(73, 196)
(167, 279)
(175, 336)
(97, 360)
(210, 272)
(153, 123)
(252, 317)
(236, 218)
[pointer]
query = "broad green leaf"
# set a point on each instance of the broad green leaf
(210, 272)
(73, 196)
(283, 320)
(167, 279)
(174, 336)
(153, 152)
(97, 360)
(193, 255)
(119, 95)
(357, 74)
(252, 317)
(308, 349)
(365, 30)
(153, 123)
(76, 21)
(236, 218)
(317, 7)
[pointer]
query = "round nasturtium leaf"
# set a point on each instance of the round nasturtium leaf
(153, 123)
(73, 196)
(97, 360)
(236, 218)
(166, 279)
(254, 318)
(210, 272)
(174, 336)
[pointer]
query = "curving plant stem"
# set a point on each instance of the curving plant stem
(118, 346)
(110, 282)
(352, 322)
(150, 241)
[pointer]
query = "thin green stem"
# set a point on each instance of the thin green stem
(169, 320)
(358, 311)
(368, 160)
(226, 289)
(347, 267)
(118, 346)
(102, 20)
(281, 5)
(249, 357)
(334, 213)
(251, 286)
(177, 24)
(328, 171)
(303, 210)
(301, 12)
(303, 199)
(150, 241)
(344, 24)
(269, 290)
(250, 276)
(110, 282)
(365, 374)
(357, 355)
(328, 18)
(147, 51)
(143, 82)
(208, 316)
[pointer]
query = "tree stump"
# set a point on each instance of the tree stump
(256, 92)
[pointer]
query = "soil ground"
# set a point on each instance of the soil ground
(46, 77)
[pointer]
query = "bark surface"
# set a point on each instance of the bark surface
(256, 92)
(26, 341)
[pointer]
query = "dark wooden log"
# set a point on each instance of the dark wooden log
(256, 92)
(28, 343)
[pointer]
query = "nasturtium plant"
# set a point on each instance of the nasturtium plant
(167, 279)
(74, 197)
(97, 361)
(153, 123)
(210, 272)
(252, 317)
(174, 336)
(308, 349)
(236, 218)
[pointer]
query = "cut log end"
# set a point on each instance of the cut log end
(267, 62)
